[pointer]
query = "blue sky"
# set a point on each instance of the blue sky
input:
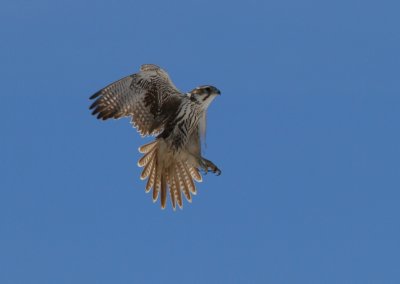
(306, 133)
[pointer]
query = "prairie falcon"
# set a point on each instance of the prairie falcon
(173, 160)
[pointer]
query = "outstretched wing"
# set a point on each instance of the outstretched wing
(149, 97)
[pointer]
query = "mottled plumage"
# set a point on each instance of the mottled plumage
(173, 160)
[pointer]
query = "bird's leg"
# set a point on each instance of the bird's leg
(209, 166)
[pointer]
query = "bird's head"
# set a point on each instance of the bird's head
(204, 94)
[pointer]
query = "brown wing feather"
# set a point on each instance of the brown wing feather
(149, 97)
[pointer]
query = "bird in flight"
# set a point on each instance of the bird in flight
(173, 160)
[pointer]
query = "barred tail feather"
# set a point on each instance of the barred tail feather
(167, 173)
(194, 172)
(182, 184)
(175, 191)
(163, 190)
(143, 161)
(171, 192)
(147, 147)
(189, 180)
(157, 183)
(147, 169)
(152, 177)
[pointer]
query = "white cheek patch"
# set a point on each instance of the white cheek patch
(207, 102)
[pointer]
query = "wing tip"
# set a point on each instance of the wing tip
(95, 95)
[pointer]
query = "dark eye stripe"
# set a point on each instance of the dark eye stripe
(206, 97)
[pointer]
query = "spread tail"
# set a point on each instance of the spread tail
(167, 172)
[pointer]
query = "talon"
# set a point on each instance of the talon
(216, 171)
(203, 167)
(209, 166)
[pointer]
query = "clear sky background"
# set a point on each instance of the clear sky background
(306, 132)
